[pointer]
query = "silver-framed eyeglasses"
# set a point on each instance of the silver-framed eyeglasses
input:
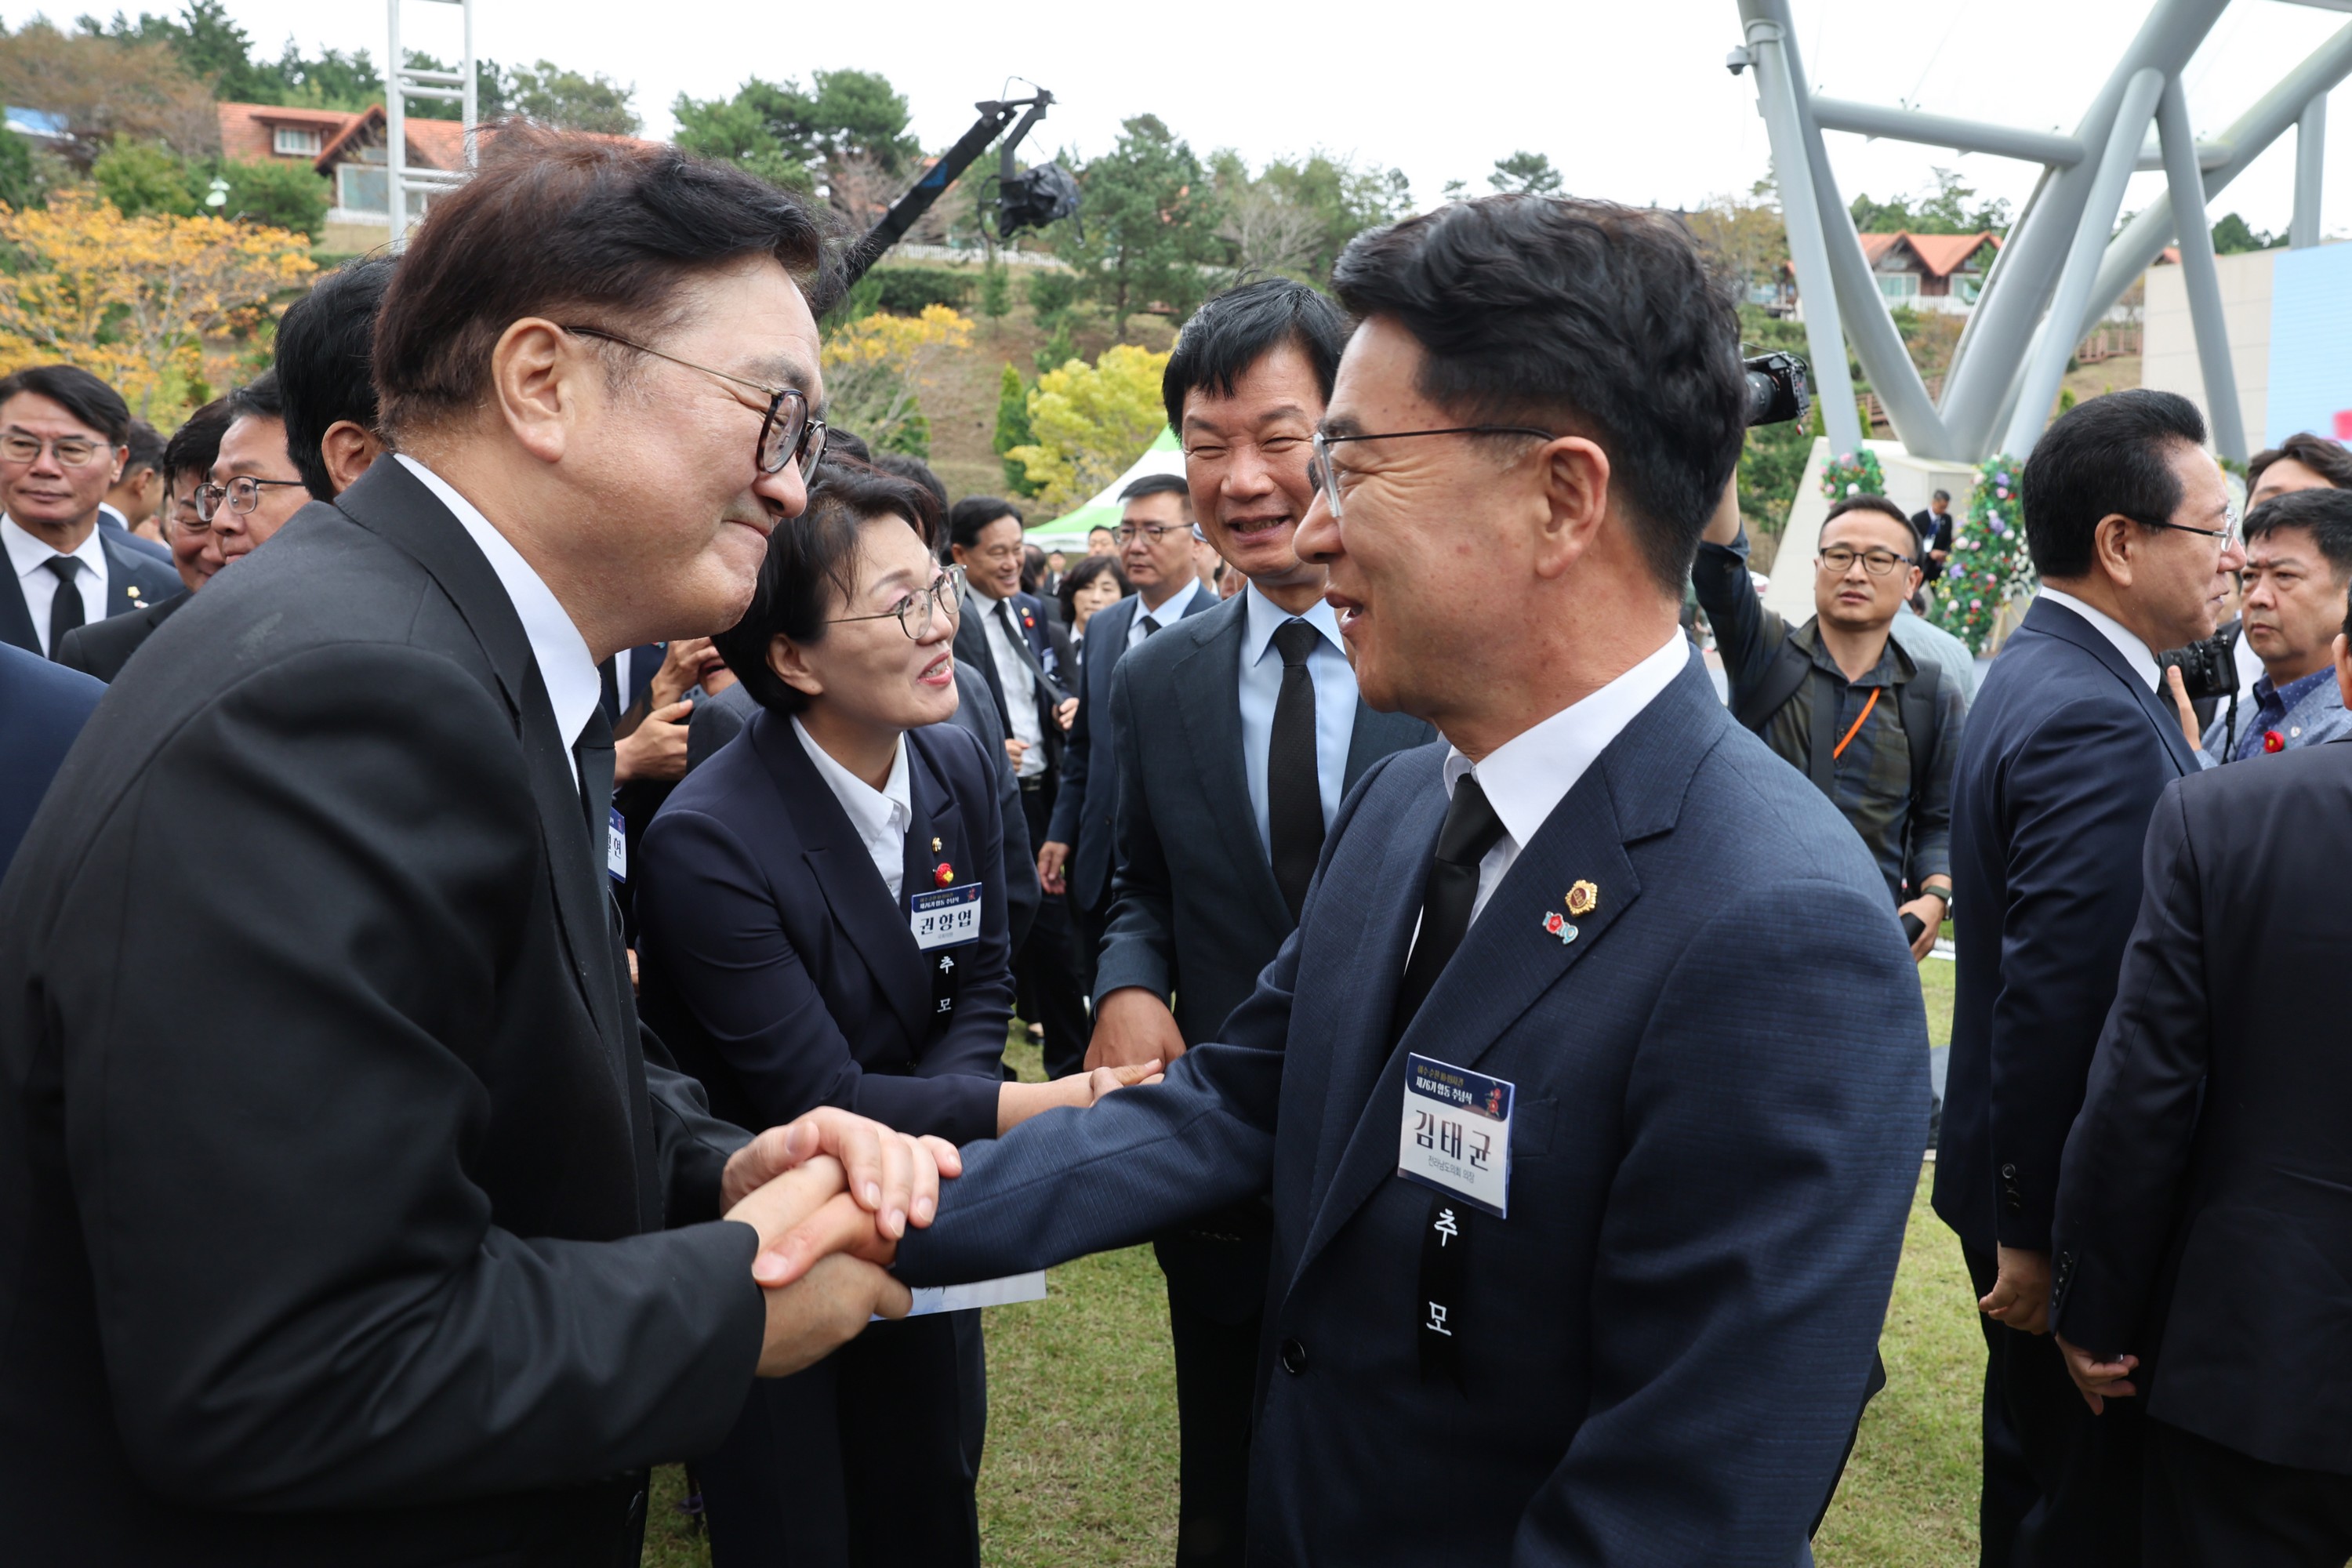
(1838, 558)
(1327, 477)
(243, 493)
(913, 612)
(71, 452)
(1127, 533)
(786, 434)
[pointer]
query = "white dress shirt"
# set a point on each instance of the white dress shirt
(1261, 689)
(2135, 653)
(1010, 654)
(1530, 774)
(566, 665)
(1172, 610)
(880, 816)
(29, 558)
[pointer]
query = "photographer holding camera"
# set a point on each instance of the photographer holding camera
(1837, 699)
(2297, 573)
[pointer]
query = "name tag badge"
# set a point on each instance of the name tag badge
(616, 847)
(1457, 1133)
(944, 917)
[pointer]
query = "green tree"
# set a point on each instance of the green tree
(2231, 237)
(847, 130)
(145, 177)
(20, 186)
(1012, 429)
(995, 291)
(279, 195)
(742, 130)
(1150, 232)
(1946, 209)
(553, 96)
(1296, 216)
(1524, 173)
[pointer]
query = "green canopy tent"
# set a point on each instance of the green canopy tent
(1165, 455)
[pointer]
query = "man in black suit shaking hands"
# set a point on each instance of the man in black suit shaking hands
(346, 1215)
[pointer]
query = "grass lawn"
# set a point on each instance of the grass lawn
(1081, 1463)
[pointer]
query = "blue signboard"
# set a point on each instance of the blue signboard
(2311, 345)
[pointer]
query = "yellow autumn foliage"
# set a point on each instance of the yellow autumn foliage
(876, 366)
(142, 303)
(1088, 422)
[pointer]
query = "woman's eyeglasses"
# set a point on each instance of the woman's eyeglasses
(914, 612)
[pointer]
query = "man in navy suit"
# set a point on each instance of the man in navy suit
(1588, 1089)
(1248, 713)
(2068, 747)
(1155, 542)
(42, 707)
(62, 433)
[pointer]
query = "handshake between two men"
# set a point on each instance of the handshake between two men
(830, 1195)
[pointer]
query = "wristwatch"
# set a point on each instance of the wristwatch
(1944, 892)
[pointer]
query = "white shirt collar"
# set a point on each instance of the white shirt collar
(1527, 776)
(2135, 653)
(1264, 618)
(566, 665)
(26, 554)
(880, 816)
(1172, 609)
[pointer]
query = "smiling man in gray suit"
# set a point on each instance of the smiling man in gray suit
(1245, 714)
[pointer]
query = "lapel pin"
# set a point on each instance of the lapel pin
(1559, 928)
(1583, 898)
(944, 876)
(935, 845)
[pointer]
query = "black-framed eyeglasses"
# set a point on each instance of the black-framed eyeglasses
(1839, 559)
(72, 451)
(914, 612)
(1327, 477)
(243, 493)
(1129, 533)
(788, 434)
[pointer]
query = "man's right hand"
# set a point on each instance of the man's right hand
(2098, 1381)
(1133, 1028)
(1053, 860)
(654, 749)
(829, 1300)
(2019, 1296)
(1015, 748)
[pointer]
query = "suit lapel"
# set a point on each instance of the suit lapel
(15, 620)
(1374, 735)
(934, 820)
(855, 894)
(1508, 959)
(124, 566)
(1208, 701)
(2058, 621)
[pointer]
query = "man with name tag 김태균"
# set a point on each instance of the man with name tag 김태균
(1620, 1305)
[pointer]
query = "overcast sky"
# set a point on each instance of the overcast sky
(1629, 97)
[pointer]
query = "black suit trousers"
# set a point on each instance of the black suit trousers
(1046, 971)
(868, 1459)
(2062, 1486)
(2210, 1506)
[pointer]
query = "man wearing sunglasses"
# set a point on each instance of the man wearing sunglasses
(62, 445)
(1836, 699)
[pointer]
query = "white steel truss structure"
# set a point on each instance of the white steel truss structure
(2059, 271)
(402, 83)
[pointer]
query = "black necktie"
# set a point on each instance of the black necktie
(593, 754)
(1471, 829)
(1149, 626)
(66, 609)
(1294, 791)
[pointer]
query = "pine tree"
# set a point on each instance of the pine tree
(1012, 429)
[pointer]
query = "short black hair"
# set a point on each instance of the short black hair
(840, 443)
(194, 447)
(146, 444)
(325, 363)
(2326, 458)
(974, 513)
(1240, 327)
(1157, 485)
(1944, 496)
(76, 392)
(1876, 503)
(1102, 528)
(809, 560)
(1583, 317)
(2326, 515)
(914, 470)
(261, 397)
(2110, 456)
(1084, 572)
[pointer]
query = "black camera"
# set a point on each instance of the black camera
(2207, 668)
(1776, 389)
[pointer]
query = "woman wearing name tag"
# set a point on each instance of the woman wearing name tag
(822, 923)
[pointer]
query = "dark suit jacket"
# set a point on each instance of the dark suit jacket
(775, 963)
(2063, 755)
(102, 647)
(134, 581)
(2205, 1205)
(42, 707)
(143, 545)
(1088, 803)
(721, 719)
(1719, 1087)
(1049, 642)
(344, 1241)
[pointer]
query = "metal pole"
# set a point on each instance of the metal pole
(2265, 122)
(1944, 131)
(2055, 344)
(2310, 163)
(472, 89)
(1776, 90)
(2187, 186)
(395, 134)
(2039, 246)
